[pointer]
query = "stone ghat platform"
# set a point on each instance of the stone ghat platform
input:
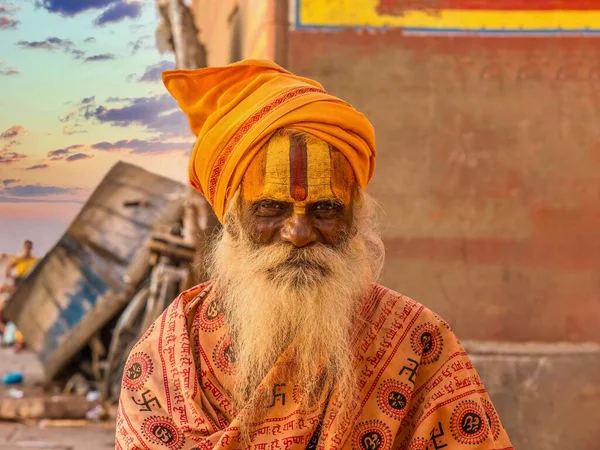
(547, 394)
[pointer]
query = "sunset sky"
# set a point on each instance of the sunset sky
(79, 90)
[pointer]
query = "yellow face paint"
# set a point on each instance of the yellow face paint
(300, 169)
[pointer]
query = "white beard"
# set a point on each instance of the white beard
(273, 295)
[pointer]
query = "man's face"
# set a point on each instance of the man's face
(298, 190)
(297, 253)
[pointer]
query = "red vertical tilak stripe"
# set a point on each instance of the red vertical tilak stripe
(298, 168)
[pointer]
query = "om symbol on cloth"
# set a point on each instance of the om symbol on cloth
(372, 435)
(466, 423)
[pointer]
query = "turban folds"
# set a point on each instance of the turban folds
(234, 110)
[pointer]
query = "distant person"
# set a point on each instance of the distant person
(21, 264)
(16, 270)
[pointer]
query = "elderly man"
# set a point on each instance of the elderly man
(293, 344)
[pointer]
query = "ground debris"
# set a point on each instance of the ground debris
(45, 407)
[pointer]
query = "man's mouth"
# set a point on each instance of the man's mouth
(298, 267)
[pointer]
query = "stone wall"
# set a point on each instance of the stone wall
(547, 396)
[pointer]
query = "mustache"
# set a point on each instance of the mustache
(309, 261)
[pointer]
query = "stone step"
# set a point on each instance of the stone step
(547, 394)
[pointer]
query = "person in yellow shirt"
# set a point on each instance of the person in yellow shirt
(16, 270)
(20, 266)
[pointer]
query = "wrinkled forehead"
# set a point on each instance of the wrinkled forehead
(298, 168)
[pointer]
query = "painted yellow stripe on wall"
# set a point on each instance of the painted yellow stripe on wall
(363, 13)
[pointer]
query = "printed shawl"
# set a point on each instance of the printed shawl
(418, 388)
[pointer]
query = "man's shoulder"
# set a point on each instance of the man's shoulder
(195, 295)
(197, 290)
(386, 301)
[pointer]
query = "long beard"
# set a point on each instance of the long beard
(302, 301)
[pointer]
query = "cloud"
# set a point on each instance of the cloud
(6, 23)
(9, 72)
(81, 108)
(70, 129)
(73, 7)
(38, 200)
(77, 54)
(37, 190)
(37, 167)
(117, 99)
(78, 157)
(69, 116)
(8, 9)
(10, 181)
(62, 153)
(138, 44)
(142, 110)
(11, 135)
(53, 43)
(157, 113)
(11, 157)
(6, 147)
(13, 132)
(119, 11)
(153, 73)
(101, 57)
(113, 10)
(138, 146)
(90, 40)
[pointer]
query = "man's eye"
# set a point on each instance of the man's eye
(326, 206)
(326, 209)
(269, 208)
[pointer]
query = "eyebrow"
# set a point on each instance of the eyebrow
(334, 199)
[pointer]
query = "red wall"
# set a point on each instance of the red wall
(488, 169)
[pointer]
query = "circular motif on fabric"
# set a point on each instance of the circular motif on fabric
(162, 431)
(137, 370)
(211, 318)
(418, 444)
(393, 398)
(468, 423)
(426, 341)
(372, 435)
(492, 418)
(224, 356)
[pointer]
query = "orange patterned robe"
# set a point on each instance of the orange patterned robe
(418, 388)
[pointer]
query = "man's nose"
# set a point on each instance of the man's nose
(299, 231)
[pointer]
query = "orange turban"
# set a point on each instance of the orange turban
(234, 110)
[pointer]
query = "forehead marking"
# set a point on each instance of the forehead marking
(298, 168)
